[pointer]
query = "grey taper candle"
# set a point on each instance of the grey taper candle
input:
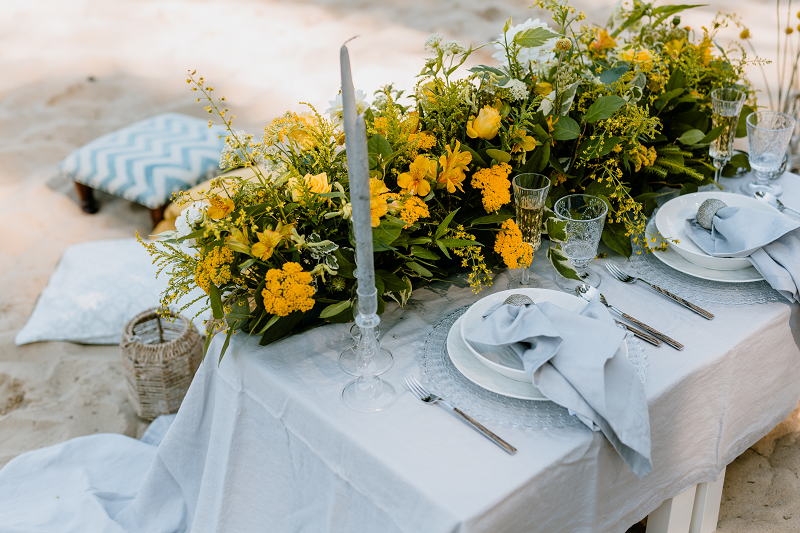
(355, 132)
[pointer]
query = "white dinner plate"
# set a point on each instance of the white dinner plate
(670, 258)
(671, 223)
(499, 359)
(481, 375)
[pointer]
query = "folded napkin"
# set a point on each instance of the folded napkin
(771, 241)
(573, 360)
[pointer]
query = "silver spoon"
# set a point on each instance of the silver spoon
(589, 293)
(772, 200)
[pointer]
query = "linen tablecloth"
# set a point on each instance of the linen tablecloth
(262, 442)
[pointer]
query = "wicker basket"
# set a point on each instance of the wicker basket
(160, 359)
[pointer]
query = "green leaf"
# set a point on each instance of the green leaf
(419, 269)
(556, 229)
(225, 345)
(446, 222)
(603, 108)
(565, 129)
(614, 237)
(561, 263)
(281, 327)
(384, 235)
(335, 309)
(533, 37)
(335, 194)
(691, 137)
(490, 219)
(424, 253)
(390, 281)
(247, 264)
(688, 188)
(741, 127)
(503, 157)
(507, 25)
(402, 296)
(443, 248)
(459, 243)
(538, 159)
(711, 135)
(665, 12)
(268, 325)
(216, 301)
(676, 81)
(378, 145)
(613, 74)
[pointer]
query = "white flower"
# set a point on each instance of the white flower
(336, 111)
(453, 47)
(432, 42)
(538, 55)
(517, 88)
(189, 218)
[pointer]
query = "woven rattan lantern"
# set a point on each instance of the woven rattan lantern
(161, 355)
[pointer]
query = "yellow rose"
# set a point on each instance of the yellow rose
(486, 125)
(543, 88)
(315, 184)
(411, 124)
(644, 58)
(302, 136)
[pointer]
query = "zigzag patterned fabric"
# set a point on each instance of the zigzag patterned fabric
(148, 161)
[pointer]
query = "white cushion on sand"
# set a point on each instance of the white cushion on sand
(96, 289)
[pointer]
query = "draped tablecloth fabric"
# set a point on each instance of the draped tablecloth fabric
(262, 442)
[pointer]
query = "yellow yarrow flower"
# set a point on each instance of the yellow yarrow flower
(494, 185)
(214, 268)
(413, 209)
(509, 244)
(288, 290)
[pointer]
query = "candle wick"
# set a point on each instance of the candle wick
(350, 39)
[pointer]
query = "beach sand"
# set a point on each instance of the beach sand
(72, 71)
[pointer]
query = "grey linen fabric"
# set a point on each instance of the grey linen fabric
(771, 241)
(573, 359)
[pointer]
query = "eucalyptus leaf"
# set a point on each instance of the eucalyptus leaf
(335, 309)
(565, 129)
(603, 108)
(691, 137)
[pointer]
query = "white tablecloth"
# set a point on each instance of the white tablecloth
(262, 442)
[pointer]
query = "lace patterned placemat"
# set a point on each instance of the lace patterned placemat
(699, 290)
(444, 378)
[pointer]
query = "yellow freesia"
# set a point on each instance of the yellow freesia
(453, 166)
(486, 125)
(414, 180)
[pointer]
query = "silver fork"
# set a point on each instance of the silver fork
(421, 393)
(627, 278)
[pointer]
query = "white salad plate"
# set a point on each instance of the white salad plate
(671, 223)
(480, 374)
(673, 260)
(500, 359)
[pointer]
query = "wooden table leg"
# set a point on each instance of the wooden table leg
(86, 195)
(674, 515)
(706, 505)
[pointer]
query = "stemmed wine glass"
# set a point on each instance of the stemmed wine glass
(726, 106)
(768, 135)
(585, 216)
(530, 193)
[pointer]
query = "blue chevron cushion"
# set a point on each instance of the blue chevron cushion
(148, 161)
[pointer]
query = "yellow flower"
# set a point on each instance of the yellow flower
(288, 290)
(674, 47)
(603, 40)
(486, 125)
(316, 184)
(220, 207)
(378, 197)
(302, 134)
(268, 240)
(214, 267)
(510, 246)
(643, 58)
(411, 123)
(789, 30)
(413, 209)
(414, 180)
(453, 166)
(494, 185)
(745, 34)
(543, 88)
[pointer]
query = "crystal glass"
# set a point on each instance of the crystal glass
(530, 193)
(726, 106)
(348, 358)
(368, 393)
(768, 134)
(585, 216)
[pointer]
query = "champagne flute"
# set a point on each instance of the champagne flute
(726, 106)
(530, 193)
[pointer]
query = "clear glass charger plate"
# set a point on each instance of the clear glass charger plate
(444, 378)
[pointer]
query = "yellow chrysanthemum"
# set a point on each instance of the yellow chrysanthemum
(288, 290)
(509, 244)
(453, 166)
(494, 185)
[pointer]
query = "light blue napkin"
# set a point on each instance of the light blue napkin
(771, 241)
(573, 360)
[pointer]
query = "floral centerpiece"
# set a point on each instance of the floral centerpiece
(618, 112)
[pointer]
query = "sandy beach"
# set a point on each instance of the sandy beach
(73, 71)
